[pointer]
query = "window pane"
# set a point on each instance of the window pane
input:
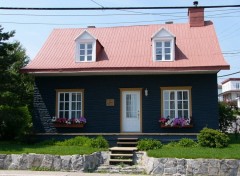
(159, 57)
(66, 96)
(61, 96)
(73, 106)
(78, 114)
(167, 44)
(79, 97)
(82, 46)
(158, 44)
(81, 58)
(172, 96)
(89, 52)
(185, 104)
(179, 95)
(61, 114)
(66, 115)
(166, 105)
(172, 114)
(186, 114)
(172, 105)
(89, 58)
(167, 50)
(185, 95)
(66, 106)
(166, 113)
(89, 46)
(167, 57)
(73, 96)
(158, 51)
(79, 106)
(73, 114)
(166, 95)
(179, 114)
(61, 106)
(82, 52)
(179, 104)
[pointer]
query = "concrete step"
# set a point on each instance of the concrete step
(125, 155)
(128, 161)
(123, 149)
(128, 143)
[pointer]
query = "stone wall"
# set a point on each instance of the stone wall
(99, 162)
(174, 166)
(82, 163)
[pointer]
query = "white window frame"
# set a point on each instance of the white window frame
(85, 52)
(176, 90)
(70, 110)
(163, 41)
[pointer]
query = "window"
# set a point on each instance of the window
(163, 50)
(86, 46)
(163, 46)
(176, 102)
(237, 85)
(69, 104)
(86, 52)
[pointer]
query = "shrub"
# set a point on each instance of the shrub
(149, 144)
(212, 138)
(226, 116)
(99, 142)
(186, 142)
(14, 121)
(172, 144)
(76, 141)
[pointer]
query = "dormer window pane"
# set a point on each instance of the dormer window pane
(82, 46)
(82, 58)
(167, 44)
(89, 46)
(158, 44)
(89, 58)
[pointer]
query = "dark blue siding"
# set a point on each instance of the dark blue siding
(104, 119)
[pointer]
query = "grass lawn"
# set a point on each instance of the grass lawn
(13, 148)
(231, 152)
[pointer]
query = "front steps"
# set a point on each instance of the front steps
(123, 154)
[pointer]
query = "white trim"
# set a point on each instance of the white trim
(122, 72)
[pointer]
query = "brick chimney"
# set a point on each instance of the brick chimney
(196, 16)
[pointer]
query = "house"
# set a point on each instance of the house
(220, 98)
(144, 81)
(231, 91)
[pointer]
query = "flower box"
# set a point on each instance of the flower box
(176, 126)
(64, 125)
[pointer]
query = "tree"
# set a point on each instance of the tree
(226, 116)
(16, 89)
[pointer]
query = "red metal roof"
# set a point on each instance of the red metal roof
(230, 79)
(129, 48)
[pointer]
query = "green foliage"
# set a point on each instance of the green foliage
(212, 138)
(149, 144)
(16, 89)
(99, 142)
(186, 142)
(226, 116)
(14, 121)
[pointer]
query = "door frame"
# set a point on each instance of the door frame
(121, 108)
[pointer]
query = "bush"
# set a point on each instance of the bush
(14, 122)
(186, 142)
(226, 116)
(149, 144)
(99, 142)
(212, 138)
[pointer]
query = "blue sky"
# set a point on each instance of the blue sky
(32, 35)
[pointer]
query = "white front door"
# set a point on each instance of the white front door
(131, 111)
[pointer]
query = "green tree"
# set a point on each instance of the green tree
(16, 89)
(226, 116)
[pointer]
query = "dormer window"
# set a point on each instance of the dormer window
(87, 47)
(86, 52)
(163, 46)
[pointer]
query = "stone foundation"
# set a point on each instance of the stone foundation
(98, 162)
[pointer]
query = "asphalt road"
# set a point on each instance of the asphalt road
(54, 173)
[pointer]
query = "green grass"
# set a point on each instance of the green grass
(13, 148)
(230, 152)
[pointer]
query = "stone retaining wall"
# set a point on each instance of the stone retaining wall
(145, 164)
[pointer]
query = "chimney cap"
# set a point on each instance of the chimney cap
(91, 26)
(169, 22)
(195, 3)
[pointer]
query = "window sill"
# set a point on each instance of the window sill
(63, 125)
(168, 126)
